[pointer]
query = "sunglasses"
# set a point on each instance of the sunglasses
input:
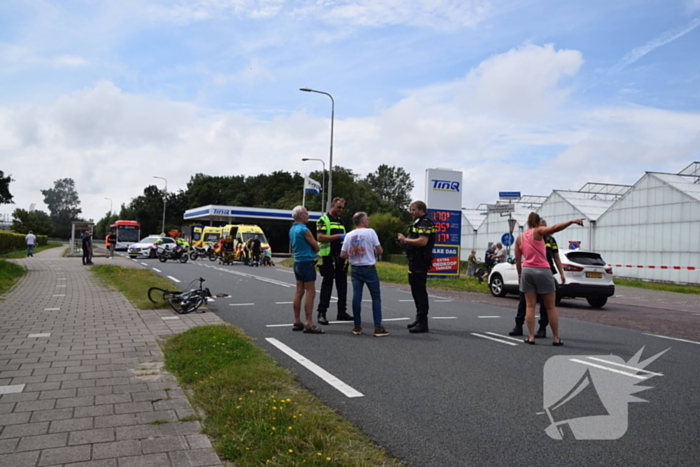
(340, 207)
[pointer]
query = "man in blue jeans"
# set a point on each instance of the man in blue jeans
(359, 248)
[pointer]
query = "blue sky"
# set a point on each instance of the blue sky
(520, 95)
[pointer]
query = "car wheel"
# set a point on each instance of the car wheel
(496, 286)
(152, 253)
(597, 302)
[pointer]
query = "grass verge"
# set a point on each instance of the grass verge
(9, 273)
(398, 274)
(134, 284)
(662, 286)
(16, 254)
(258, 414)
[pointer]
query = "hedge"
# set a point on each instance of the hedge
(10, 241)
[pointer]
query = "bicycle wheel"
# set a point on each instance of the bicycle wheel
(157, 295)
(186, 305)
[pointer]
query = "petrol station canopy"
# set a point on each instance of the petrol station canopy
(240, 215)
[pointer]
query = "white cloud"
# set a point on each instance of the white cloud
(68, 60)
(507, 124)
(692, 5)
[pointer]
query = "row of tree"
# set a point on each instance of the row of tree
(386, 191)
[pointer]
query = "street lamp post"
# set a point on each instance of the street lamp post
(323, 180)
(330, 164)
(165, 200)
(110, 205)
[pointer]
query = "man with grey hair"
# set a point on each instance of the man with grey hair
(359, 248)
(304, 248)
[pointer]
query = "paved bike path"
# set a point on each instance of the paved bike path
(81, 382)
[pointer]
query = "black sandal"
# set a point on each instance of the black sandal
(298, 327)
(528, 341)
(558, 344)
(313, 329)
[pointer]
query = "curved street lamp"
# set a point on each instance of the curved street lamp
(165, 200)
(330, 165)
(323, 180)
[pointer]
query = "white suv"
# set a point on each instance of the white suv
(587, 276)
(147, 246)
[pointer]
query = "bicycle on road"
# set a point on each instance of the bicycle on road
(182, 302)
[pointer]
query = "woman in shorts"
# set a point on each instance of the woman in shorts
(534, 274)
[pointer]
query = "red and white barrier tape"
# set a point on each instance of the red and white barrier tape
(639, 266)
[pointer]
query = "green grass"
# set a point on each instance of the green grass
(398, 274)
(662, 286)
(258, 414)
(16, 254)
(134, 284)
(9, 274)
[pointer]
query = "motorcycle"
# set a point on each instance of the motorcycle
(203, 251)
(176, 253)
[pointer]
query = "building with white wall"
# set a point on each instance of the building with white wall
(648, 231)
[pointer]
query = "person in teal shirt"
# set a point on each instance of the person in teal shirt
(304, 249)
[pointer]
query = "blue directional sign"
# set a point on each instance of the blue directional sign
(509, 194)
(507, 239)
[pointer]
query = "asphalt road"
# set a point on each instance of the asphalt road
(467, 394)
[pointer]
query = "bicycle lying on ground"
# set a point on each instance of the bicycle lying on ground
(182, 302)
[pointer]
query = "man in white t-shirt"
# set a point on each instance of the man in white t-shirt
(31, 243)
(359, 248)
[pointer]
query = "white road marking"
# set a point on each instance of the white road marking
(601, 367)
(625, 366)
(442, 301)
(51, 309)
(173, 279)
(156, 270)
(284, 303)
(315, 369)
(666, 337)
(443, 317)
(504, 337)
(406, 300)
(395, 319)
(145, 264)
(277, 325)
(43, 334)
(484, 317)
(11, 389)
(241, 304)
(165, 318)
(492, 338)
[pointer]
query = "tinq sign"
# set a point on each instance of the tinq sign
(444, 199)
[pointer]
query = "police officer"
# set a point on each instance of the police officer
(419, 250)
(330, 233)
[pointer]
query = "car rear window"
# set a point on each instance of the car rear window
(589, 259)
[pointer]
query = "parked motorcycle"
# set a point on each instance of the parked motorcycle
(203, 251)
(175, 253)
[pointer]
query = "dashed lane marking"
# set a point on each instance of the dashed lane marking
(396, 319)
(443, 317)
(671, 338)
(156, 270)
(601, 367)
(315, 369)
(173, 279)
(504, 337)
(241, 304)
(284, 303)
(493, 339)
(488, 317)
(277, 325)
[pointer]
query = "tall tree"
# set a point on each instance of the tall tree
(5, 195)
(37, 221)
(64, 205)
(147, 210)
(393, 185)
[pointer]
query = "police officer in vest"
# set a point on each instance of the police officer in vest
(330, 233)
(419, 250)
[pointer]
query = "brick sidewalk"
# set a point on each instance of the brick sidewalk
(81, 382)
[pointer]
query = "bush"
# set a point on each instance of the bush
(10, 241)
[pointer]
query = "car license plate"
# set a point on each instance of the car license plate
(595, 275)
